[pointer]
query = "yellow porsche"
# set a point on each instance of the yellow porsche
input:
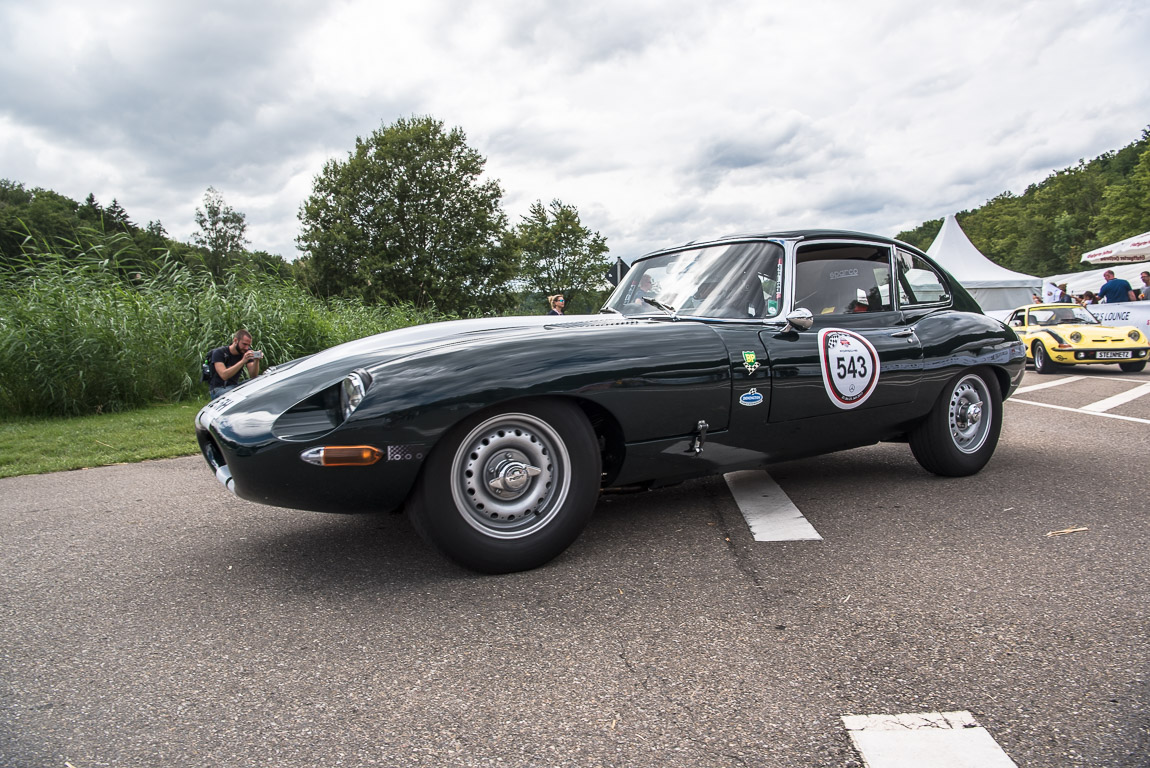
(1067, 334)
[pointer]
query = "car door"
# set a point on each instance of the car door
(860, 357)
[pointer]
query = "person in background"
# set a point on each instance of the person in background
(229, 362)
(557, 304)
(1144, 289)
(1115, 289)
(1088, 297)
(1035, 298)
(1063, 296)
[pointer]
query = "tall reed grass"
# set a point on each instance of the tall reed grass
(85, 329)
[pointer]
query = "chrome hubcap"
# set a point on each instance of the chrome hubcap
(969, 414)
(510, 474)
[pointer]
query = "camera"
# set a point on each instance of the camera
(257, 354)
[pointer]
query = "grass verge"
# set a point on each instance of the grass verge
(33, 446)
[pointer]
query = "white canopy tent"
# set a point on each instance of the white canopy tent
(994, 287)
(1131, 250)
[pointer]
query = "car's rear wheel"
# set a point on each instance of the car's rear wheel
(960, 433)
(509, 489)
(1042, 361)
(1133, 367)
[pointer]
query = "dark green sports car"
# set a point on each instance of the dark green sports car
(497, 435)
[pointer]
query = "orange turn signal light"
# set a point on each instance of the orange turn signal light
(342, 455)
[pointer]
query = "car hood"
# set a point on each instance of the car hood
(1090, 332)
(331, 365)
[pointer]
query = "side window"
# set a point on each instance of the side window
(1016, 319)
(918, 281)
(840, 279)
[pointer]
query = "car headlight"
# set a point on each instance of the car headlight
(352, 390)
(1134, 335)
(1076, 337)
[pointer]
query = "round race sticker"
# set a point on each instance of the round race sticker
(850, 366)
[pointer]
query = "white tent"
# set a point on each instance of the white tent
(994, 287)
(1132, 249)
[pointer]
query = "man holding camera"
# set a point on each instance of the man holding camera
(228, 362)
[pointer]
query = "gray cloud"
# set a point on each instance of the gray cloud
(660, 121)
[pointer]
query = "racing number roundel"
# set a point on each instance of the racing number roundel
(850, 366)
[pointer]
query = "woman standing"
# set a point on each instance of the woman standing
(557, 303)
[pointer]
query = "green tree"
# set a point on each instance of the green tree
(222, 230)
(921, 236)
(1126, 206)
(559, 254)
(406, 218)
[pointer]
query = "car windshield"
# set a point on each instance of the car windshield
(738, 280)
(1060, 315)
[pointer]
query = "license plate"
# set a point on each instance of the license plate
(1113, 355)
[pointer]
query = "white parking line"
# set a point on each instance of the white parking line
(1047, 384)
(935, 739)
(1119, 399)
(771, 515)
(1079, 410)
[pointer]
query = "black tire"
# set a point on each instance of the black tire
(960, 433)
(1042, 362)
(1133, 367)
(544, 459)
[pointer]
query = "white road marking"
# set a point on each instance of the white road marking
(771, 515)
(935, 739)
(1079, 410)
(1119, 399)
(1047, 384)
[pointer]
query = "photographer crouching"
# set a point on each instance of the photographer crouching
(228, 362)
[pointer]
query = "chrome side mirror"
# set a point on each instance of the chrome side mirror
(800, 319)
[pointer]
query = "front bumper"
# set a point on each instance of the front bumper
(237, 442)
(1098, 355)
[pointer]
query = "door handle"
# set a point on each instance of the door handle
(903, 334)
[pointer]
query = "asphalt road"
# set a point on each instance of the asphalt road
(149, 619)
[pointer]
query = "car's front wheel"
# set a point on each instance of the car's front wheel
(960, 433)
(1042, 361)
(509, 489)
(1133, 367)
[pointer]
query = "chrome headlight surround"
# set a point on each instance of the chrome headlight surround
(1076, 337)
(1134, 335)
(352, 390)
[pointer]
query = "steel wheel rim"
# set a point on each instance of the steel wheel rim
(970, 414)
(507, 450)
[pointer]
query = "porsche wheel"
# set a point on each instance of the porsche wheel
(960, 433)
(509, 490)
(1133, 367)
(1042, 362)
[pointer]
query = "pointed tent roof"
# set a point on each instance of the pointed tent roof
(958, 256)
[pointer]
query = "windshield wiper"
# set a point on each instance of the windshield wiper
(660, 305)
(611, 310)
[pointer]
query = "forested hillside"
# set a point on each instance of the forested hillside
(1045, 230)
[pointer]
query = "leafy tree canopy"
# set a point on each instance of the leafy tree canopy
(1045, 230)
(35, 222)
(406, 218)
(559, 254)
(222, 230)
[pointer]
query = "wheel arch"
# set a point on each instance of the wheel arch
(1002, 379)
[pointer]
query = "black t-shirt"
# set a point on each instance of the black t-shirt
(224, 355)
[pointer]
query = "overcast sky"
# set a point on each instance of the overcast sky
(660, 121)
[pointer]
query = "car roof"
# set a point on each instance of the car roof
(794, 234)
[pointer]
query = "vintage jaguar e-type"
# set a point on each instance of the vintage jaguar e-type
(497, 435)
